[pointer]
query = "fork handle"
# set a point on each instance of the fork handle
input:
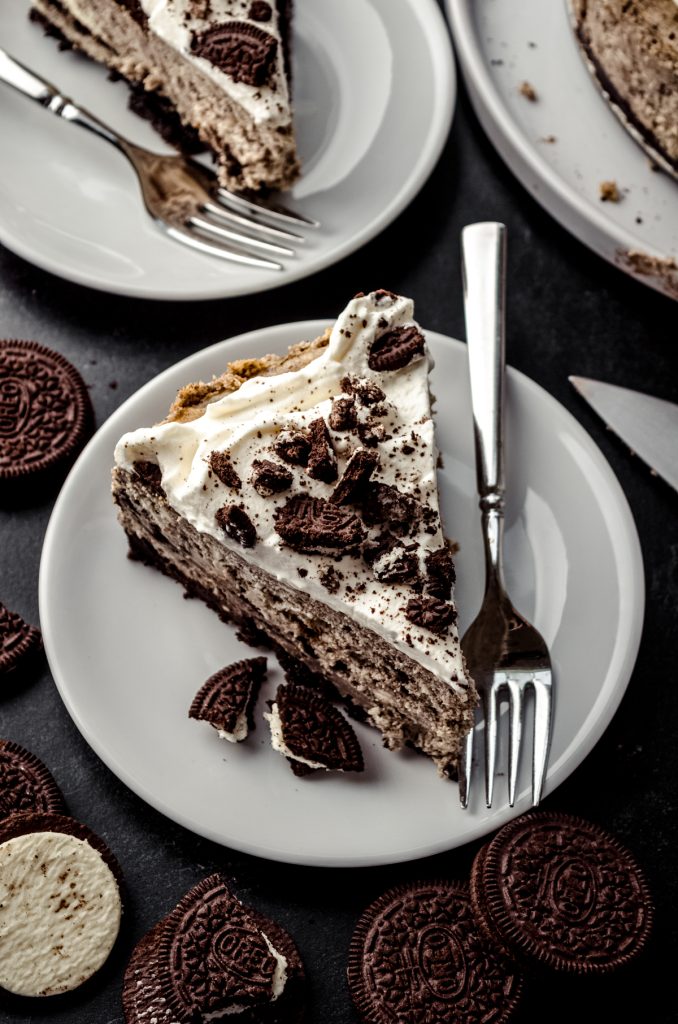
(484, 275)
(35, 88)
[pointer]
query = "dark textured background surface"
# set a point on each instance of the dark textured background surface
(568, 313)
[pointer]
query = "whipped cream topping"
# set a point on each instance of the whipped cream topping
(179, 22)
(240, 731)
(59, 913)
(247, 423)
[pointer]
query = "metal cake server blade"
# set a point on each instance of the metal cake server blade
(648, 425)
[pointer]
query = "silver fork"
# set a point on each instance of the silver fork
(506, 656)
(183, 198)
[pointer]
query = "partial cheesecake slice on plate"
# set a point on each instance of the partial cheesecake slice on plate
(213, 70)
(297, 495)
(632, 51)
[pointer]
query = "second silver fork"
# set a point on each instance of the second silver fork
(180, 195)
(506, 656)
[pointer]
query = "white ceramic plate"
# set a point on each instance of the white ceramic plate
(128, 653)
(502, 43)
(375, 91)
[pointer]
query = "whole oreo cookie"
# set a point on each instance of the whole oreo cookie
(26, 784)
(417, 956)
(211, 955)
(60, 904)
(560, 892)
(45, 411)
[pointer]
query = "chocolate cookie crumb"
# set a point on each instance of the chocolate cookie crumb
(430, 613)
(609, 192)
(441, 574)
(322, 463)
(528, 91)
(270, 478)
(222, 467)
(359, 469)
(237, 525)
(366, 391)
(343, 414)
(384, 503)
(293, 447)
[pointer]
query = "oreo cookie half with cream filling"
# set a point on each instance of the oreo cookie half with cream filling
(60, 904)
(297, 495)
(312, 734)
(212, 958)
(228, 697)
(216, 70)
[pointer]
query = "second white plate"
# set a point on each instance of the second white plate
(128, 653)
(374, 96)
(564, 145)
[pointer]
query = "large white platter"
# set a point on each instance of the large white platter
(374, 96)
(502, 43)
(128, 652)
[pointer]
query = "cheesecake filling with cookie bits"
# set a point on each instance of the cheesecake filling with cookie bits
(331, 481)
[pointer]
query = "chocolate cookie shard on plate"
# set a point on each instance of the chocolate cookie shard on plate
(26, 784)
(60, 904)
(228, 697)
(212, 957)
(559, 892)
(331, 548)
(45, 408)
(18, 640)
(311, 733)
(416, 955)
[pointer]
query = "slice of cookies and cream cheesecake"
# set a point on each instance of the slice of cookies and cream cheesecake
(631, 47)
(218, 69)
(297, 495)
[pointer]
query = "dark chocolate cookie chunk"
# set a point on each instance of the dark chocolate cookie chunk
(45, 411)
(237, 525)
(17, 639)
(313, 524)
(359, 468)
(60, 917)
(222, 467)
(270, 478)
(313, 730)
(213, 955)
(241, 50)
(430, 613)
(26, 784)
(293, 446)
(366, 391)
(228, 697)
(563, 893)
(383, 503)
(322, 462)
(343, 415)
(416, 957)
(441, 574)
(396, 348)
